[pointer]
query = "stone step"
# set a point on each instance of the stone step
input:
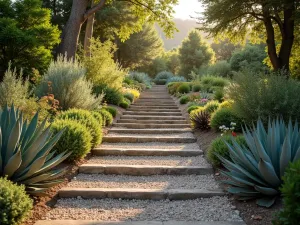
(144, 170)
(145, 107)
(151, 121)
(160, 117)
(141, 194)
(152, 125)
(153, 110)
(133, 113)
(150, 131)
(141, 139)
(93, 222)
(156, 104)
(102, 151)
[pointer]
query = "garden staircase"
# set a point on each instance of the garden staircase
(149, 157)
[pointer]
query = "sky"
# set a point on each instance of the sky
(187, 8)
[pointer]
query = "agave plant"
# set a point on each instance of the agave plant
(255, 171)
(25, 156)
(200, 119)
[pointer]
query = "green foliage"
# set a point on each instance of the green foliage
(157, 65)
(194, 53)
(172, 60)
(12, 89)
(256, 171)
(15, 204)
(162, 77)
(264, 96)
(220, 68)
(225, 116)
(25, 152)
(196, 87)
(65, 79)
(184, 99)
(129, 96)
(86, 118)
(183, 88)
(27, 37)
(291, 197)
(111, 110)
(251, 57)
(142, 78)
(219, 94)
(141, 48)
(192, 107)
(211, 106)
(200, 119)
(111, 95)
(219, 148)
(224, 49)
(214, 81)
(173, 86)
(101, 66)
(124, 105)
(107, 118)
(76, 139)
(176, 79)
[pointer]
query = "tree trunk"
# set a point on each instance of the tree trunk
(89, 33)
(71, 31)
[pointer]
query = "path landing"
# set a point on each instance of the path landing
(148, 171)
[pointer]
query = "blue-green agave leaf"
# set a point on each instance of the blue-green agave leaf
(269, 173)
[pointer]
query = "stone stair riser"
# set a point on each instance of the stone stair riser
(130, 139)
(153, 117)
(134, 113)
(145, 152)
(150, 131)
(152, 121)
(153, 125)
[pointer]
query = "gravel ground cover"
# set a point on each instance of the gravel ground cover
(153, 145)
(145, 182)
(212, 209)
(150, 160)
(175, 135)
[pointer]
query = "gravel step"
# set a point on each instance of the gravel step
(164, 135)
(162, 182)
(143, 194)
(152, 125)
(151, 145)
(143, 107)
(150, 131)
(159, 121)
(133, 113)
(150, 160)
(216, 208)
(160, 117)
(141, 139)
(93, 222)
(145, 152)
(154, 110)
(144, 170)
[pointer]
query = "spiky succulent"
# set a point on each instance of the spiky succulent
(255, 171)
(200, 119)
(25, 156)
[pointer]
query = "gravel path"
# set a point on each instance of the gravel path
(174, 135)
(212, 209)
(145, 182)
(150, 160)
(153, 145)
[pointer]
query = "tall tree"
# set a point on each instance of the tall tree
(224, 49)
(140, 49)
(26, 35)
(194, 53)
(148, 10)
(237, 18)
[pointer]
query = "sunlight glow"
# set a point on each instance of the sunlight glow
(187, 8)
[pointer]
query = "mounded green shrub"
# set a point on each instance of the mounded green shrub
(176, 79)
(211, 106)
(141, 78)
(192, 107)
(15, 204)
(129, 96)
(76, 138)
(184, 99)
(219, 147)
(173, 86)
(112, 95)
(219, 94)
(226, 104)
(87, 119)
(162, 77)
(214, 81)
(184, 88)
(290, 214)
(225, 116)
(196, 87)
(124, 105)
(111, 110)
(107, 118)
(97, 115)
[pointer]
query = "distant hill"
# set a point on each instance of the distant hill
(184, 27)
